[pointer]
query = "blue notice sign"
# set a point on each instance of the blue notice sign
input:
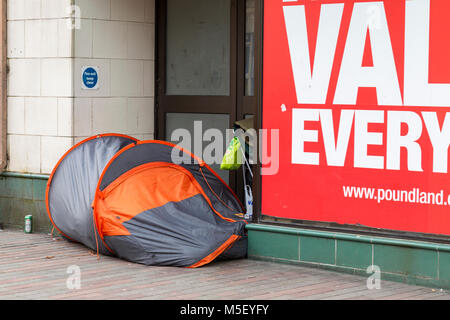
(90, 77)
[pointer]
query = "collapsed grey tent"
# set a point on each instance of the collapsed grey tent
(150, 210)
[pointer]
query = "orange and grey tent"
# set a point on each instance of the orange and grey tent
(147, 208)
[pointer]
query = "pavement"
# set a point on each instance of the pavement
(40, 267)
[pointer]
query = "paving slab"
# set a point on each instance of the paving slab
(43, 267)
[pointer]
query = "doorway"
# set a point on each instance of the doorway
(208, 69)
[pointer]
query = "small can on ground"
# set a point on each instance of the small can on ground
(28, 228)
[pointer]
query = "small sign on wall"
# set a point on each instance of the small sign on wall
(90, 78)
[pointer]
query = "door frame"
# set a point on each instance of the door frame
(202, 104)
(3, 84)
(197, 104)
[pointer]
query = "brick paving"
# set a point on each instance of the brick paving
(34, 266)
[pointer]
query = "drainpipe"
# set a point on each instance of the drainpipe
(3, 80)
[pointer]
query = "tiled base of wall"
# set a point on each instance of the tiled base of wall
(413, 262)
(21, 195)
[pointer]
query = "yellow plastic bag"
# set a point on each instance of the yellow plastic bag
(232, 159)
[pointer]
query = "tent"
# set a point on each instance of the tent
(152, 203)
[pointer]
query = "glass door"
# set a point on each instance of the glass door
(205, 71)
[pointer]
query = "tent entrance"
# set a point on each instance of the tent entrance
(150, 186)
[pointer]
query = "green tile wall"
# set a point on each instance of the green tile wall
(353, 254)
(421, 263)
(22, 195)
(407, 261)
(444, 266)
(319, 250)
(280, 246)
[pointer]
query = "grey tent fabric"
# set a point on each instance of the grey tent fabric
(72, 184)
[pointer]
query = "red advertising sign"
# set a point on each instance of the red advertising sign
(360, 94)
